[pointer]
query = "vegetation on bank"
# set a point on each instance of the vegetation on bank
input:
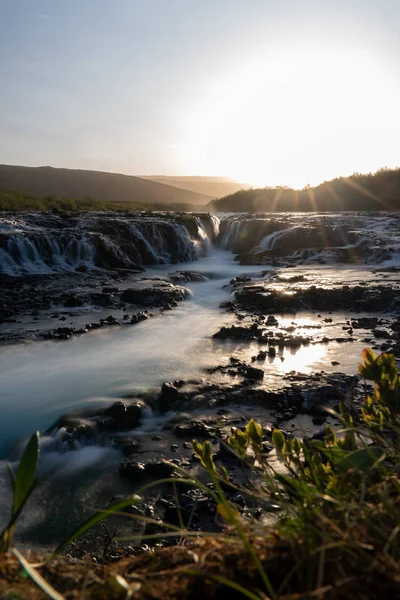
(98, 185)
(373, 191)
(19, 201)
(335, 532)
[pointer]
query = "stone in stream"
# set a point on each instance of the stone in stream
(158, 295)
(169, 398)
(138, 317)
(194, 429)
(136, 471)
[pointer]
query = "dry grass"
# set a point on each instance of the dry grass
(351, 570)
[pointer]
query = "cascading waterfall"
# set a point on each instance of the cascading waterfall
(43, 244)
(327, 237)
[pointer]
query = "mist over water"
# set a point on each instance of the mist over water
(39, 381)
(47, 379)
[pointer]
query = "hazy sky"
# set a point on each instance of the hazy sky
(265, 91)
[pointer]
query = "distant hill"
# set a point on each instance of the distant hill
(373, 191)
(215, 187)
(98, 185)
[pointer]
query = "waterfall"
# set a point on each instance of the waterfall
(314, 237)
(37, 243)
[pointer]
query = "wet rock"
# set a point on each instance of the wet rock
(254, 373)
(125, 416)
(238, 333)
(138, 317)
(73, 300)
(237, 367)
(117, 411)
(136, 471)
(103, 300)
(193, 430)
(271, 320)
(110, 320)
(158, 295)
(133, 470)
(169, 398)
(267, 301)
(186, 277)
(130, 447)
(381, 333)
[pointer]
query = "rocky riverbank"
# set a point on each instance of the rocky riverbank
(284, 346)
(76, 270)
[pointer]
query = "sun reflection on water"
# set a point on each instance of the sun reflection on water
(303, 358)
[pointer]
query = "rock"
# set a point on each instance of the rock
(111, 320)
(130, 447)
(117, 412)
(238, 333)
(254, 373)
(73, 300)
(159, 295)
(319, 419)
(169, 398)
(381, 333)
(186, 277)
(271, 320)
(136, 471)
(103, 300)
(138, 317)
(133, 416)
(132, 470)
(125, 416)
(194, 429)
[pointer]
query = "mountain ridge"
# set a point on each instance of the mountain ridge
(98, 185)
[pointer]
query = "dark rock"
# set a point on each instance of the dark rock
(154, 296)
(138, 317)
(238, 333)
(130, 447)
(111, 320)
(133, 470)
(136, 471)
(271, 320)
(73, 300)
(117, 411)
(254, 373)
(169, 398)
(194, 429)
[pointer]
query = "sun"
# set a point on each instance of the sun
(296, 118)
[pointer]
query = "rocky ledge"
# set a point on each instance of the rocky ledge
(30, 307)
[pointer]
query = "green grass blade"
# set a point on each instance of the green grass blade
(93, 520)
(37, 578)
(26, 471)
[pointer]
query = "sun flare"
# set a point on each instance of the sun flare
(297, 118)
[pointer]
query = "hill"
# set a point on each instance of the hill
(97, 185)
(215, 187)
(372, 191)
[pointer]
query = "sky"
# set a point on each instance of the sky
(267, 92)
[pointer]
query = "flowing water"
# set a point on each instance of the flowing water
(39, 381)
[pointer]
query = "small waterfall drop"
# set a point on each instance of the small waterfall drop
(37, 243)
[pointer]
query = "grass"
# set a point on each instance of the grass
(335, 535)
(19, 201)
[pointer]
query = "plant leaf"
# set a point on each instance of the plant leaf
(26, 471)
(37, 578)
(361, 460)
